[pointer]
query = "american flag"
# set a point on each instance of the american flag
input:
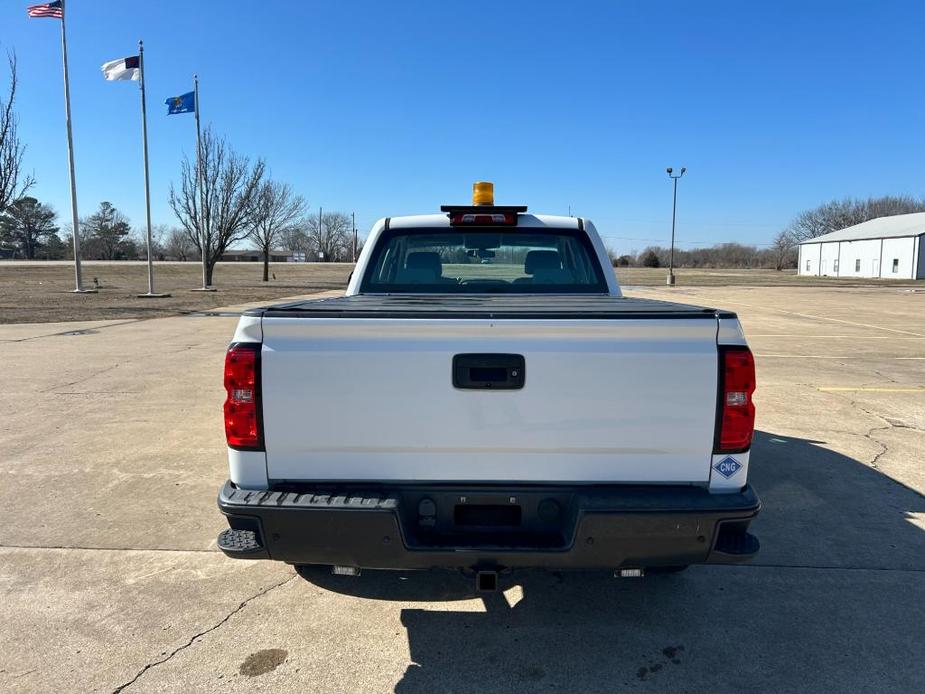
(55, 10)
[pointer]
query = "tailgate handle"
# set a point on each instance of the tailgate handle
(489, 371)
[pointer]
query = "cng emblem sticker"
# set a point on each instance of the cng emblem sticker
(727, 467)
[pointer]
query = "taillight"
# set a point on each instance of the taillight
(487, 219)
(737, 411)
(242, 399)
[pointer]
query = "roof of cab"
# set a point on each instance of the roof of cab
(443, 220)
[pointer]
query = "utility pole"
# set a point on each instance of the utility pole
(674, 210)
(353, 218)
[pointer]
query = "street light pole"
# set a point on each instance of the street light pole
(674, 213)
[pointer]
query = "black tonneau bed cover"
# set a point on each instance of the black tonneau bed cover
(485, 306)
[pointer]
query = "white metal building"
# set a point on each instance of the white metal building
(888, 247)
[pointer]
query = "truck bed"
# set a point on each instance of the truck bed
(499, 307)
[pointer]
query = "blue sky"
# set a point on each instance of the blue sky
(394, 108)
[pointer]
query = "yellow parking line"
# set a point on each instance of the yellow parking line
(866, 389)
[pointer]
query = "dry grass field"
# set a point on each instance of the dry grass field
(39, 292)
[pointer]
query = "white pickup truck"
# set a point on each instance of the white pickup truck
(485, 398)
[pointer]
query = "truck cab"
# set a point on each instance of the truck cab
(485, 398)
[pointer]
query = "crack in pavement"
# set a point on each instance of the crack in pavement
(885, 448)
(887, 378)
(84, 379)
(63, 333)
(870, 432)
(198, 636)
(58, 389)
(887, 424)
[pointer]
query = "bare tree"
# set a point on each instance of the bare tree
(296, 238)
(11, 149)
(721, 255)
(277, 210)
(177, 245)
(216, 205)
(331, 237)
(28, 226)
(159, 235)
(782, 246)
(839, 214)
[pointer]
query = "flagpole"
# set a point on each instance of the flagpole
(70, 160)
(203, 215)
(144, 136)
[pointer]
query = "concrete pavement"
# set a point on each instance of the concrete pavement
(110, 581)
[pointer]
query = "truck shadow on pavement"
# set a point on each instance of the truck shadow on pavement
(829, 604)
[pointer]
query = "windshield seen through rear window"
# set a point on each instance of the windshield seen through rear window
(438, 261)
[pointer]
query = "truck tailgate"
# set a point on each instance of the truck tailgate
(603, 400)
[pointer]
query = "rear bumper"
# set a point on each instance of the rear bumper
(430, 526)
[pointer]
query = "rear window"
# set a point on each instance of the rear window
(449, 261)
